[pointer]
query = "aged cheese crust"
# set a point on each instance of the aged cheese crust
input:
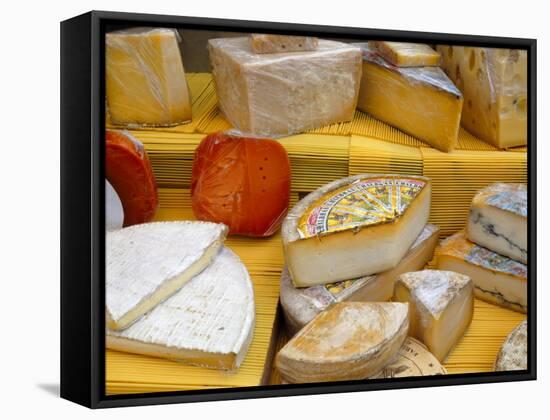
(208, 322)
(147, 263)
(406, 54)
(269, 44)
(513, 353)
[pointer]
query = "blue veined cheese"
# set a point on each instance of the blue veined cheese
(513, 353)
(209, 322)
(147, 263)
(498, 220)
(114, 213)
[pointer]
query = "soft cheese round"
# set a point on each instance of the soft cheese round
(513, 353)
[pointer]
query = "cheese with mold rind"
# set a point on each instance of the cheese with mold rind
(269, 44)
(406, 54)
(513, 353)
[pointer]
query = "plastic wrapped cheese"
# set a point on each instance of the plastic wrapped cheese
(269, 44)
(406, 54)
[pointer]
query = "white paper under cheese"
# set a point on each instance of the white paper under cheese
(114, 213)
(513, 353)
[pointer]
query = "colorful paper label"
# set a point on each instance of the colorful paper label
(488, 259)
(515, 202)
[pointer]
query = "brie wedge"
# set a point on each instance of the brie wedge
(513, 353)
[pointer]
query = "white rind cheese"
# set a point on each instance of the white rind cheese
(301, 305)
(350, 340)
(208, 322)
(354, 227)
(114, 213)
(498, 220)
(513, 353)
(441, 307)
(147, 263)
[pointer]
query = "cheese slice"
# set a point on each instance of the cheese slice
(513, 353)
(147, 263)
(114, 214)
(145, 79)
(498, 220)
(441, 307)
(284, 93)
(268, 44)
(497, 279)
(421, 101)
(354, 227)
(406, 54)
(301, 305)
(494, 84)
(350, 340)
(208, 322)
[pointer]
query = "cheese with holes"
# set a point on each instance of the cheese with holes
(147, 263)
(208, 322)
(497, 279)
(350, 340)
(513, 353)
(268, 44)
(354, 227)
(145, 79)
(441, 307)
(498, 220)
(301, 305)
(284, 93)
(421, 101)
(494, 84)
(406, 54)
(114, 214)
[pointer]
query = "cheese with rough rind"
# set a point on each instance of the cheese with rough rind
(441, 307)
(497, 279)
(208, 322)
(301, 305)
(498, 220)
(269, 44)
(406, 54)
(147, 263)
(354, 227)
(513, 353)
(350, 340)
(421, 101)
(114, 214)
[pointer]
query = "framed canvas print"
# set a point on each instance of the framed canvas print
(254, 209)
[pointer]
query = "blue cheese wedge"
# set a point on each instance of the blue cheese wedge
(498, 220)
(209, 322)
(147, 263)
(513, 353)
(114, 213)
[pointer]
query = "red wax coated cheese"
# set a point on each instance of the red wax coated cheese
(129, 171)
(242, 182)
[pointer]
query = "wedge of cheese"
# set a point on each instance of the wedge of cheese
(269, 44)
(147, 263)
(350, 340)
(498, 220)
(406, 54)
(209, 322)
(114, 214)
(441, 307)
(421, 101)
(497, 279)
(301, 305)
(145, 79)
(513, 353)
(494, 84)
(354, 227)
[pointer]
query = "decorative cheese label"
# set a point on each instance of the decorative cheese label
(362, 203)
(509, 197)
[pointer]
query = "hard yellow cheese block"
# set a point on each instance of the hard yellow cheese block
(494, 84)
(145, 78)
(421, 101)
(268, 44)
(406, 54)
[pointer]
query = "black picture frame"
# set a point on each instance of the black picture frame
(82, 204)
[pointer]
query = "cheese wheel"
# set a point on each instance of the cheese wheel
(114, 214)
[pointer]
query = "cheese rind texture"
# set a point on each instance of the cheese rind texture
(494, 84)
(147, 263)
(208, 322)
(513, 353)
(144, 78)
(498, 220)
(497, 279)
(350, 340)
(269, 44)
(283, 93)
(421, 101)
(354, 227)
(114, 214)
(301, 305)
(406, 54)
(441, 307)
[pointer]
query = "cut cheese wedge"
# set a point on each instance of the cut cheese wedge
(354, 227)
(513, 353)
(406, 54)
(301, 305)
(441, 307)
(209, 322)
(498, 220)
(497, 279)
(114, 214)
(350, 340)
(269, 44)
(147, 263)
